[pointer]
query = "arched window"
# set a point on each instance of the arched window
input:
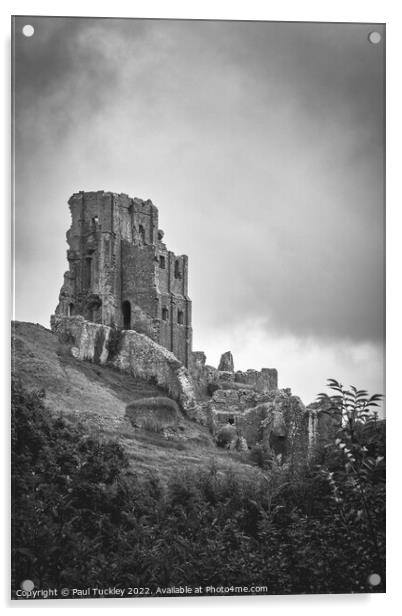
(162, 262)
(177, 269)
(141, 231)
(165, 313)
(70, 310)
(126, 309)
(180, 317)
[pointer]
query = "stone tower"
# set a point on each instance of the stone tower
(121, 273)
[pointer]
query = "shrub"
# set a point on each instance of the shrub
(151, 425)
(154, 413)
(154, 402)
(225, 435)
(355, 470)
(81, 516)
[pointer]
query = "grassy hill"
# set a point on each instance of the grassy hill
(175, 510)
(96, 396)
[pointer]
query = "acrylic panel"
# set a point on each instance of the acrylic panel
(198, 324)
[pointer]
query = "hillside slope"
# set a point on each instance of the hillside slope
(96, 396)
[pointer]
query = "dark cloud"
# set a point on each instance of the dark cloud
(262, 144)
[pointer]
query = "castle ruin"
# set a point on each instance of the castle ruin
(122, 275)
(123, 284)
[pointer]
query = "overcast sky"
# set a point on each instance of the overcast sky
(262, 145)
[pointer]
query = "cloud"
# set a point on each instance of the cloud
(303, 365)
(261, 144)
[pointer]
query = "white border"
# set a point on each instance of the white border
(341, 11)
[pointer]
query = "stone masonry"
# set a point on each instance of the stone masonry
(121, 273)
(204, 376)
(124, 301)
(130, 352)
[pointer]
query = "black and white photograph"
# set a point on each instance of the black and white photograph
(198, 326)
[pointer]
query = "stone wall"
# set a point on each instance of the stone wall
(130, 352)
(203, 375)
(324, 423)
(119, 270)
(277, 421)
(263, 381)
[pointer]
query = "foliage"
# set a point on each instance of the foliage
(82, 518)
(355, 469)
(260, 456)
(153, 403)
(151, 424)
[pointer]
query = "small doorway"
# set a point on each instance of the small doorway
(126, 309)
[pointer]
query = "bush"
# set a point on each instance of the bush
(153, 413)
(225, 435)
(259, 456)
(154, 403)
(81, 517)
(150, 424)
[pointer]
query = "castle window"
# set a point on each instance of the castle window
(95, 220)
(180, 317)
(177, 269)
(141, 231)
(126, 310)
(70, 310)
(165, 314)
(162, 262)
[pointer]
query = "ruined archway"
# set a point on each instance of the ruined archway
(126, 310)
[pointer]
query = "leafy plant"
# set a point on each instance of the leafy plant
(82, 517)
(357, 470)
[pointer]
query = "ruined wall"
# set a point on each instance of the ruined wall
(250, 407)
(138, 278)
(275, 421)
(121, 274)
(324, 424)
(263, 381)
(130, 352)
(203, 375)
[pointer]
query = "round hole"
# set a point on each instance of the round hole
(28, 30)
(374, 37)
(374, 579)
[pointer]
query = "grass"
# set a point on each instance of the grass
(96, 396)
(154, 403)
(153, 413)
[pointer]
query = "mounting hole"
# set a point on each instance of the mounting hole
(374, 579)
(374, 37)
(27, 585)
(28, 30)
